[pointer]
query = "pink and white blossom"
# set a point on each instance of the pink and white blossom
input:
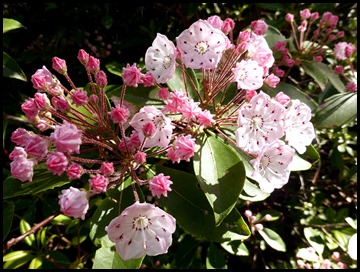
(260, 122)
(299, 131)
(141, 229)
(160, 185)
(22, 168)
(202, 45)
(160, 58)
(67, 138)
(271, 166)
(74, 202)
(164, 128)
(248, 75)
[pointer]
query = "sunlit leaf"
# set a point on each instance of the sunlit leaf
(273, 239)
(236, 248)
(12, 69)
(315, 238)
(24, 227)
(36, 263)
(11, 24)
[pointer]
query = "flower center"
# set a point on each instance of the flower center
(265, 161)
(257, 122)
(167, 62)
(201, 47)
(141, 222)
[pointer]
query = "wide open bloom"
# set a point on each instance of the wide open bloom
(141, 229)
(160, 58)
(271, 167)
(299, 131)
(164, 128)
(201, 45)
(260, 122)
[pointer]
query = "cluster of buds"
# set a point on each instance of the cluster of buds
(308, 258)
(77, 121)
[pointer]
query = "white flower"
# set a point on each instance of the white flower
(260, 122)
(160, 58)
(248, 74)
(164, 128)
(271, 167)
(201, 45)
(299, 131)
(141, 229)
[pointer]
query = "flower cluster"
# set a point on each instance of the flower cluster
(74, 121)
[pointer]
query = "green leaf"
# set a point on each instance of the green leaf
(24, 227)
(12, 69)
(315, 239)
(341, 237)
(273, 35)
(186, 196)
(292, 92)
(299, 164)
(252, 192)
(273, 239)
(275, 215)
(10, 24)
(36, 263)
(351, 222)
(43, 180)
(214, 258)
(221, 174)
(337, 110)
(185, 251)
(8, 213)
(314, 69)
(114, 68)
(236, 248)
(17, 259)
(108, 258)
(189, 86)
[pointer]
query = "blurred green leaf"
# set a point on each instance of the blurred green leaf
(8, 213)
(214, 258)
(236, 248)
(11, 24)
(315, 239)
(273, 239)
(220, 173)
(16, 259)
(314, 69)
(36, 263)
(12, 69)
(252, 192)
(24, 227)
(275, 215)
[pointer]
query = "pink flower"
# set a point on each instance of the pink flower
(67, 138)
(190, 109)
(282, 98)
(160, 58)
(271, 166)
(107, 168)
(37, 147)
(174, 101)
(260, 122)
(17, 152)
(21, 136)
(131, 75)
(164, 93)
(184, 147)
(74, 202)
(59, 65)
(141, 229)
(93, 65)
(60, 103)
(215, 21)
(272, 80)
(160, 185)
(299, 131)
(205, 118)
(56, 163)
(101, 79)
(259, 27)
(201, 45)
(228, 25)
(83, 57)
(248, 74)
(22, 168)
(164, 128)
(41, 101)
(119, 114)
(74, 171)
(30, 109)
(99, 183)
(79, 97)
(148, 79)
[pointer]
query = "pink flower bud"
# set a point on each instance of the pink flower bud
(259, 27)
(282, 98)
(163, 93)
(215, 21)
(304, 14)
(99, 183)
(59, 65)
(338, 69)
(30, 109)
(272, 81)
(314, 16)
(41, 101)
(22, 168)
(259, 227)
(351, 87)
(67, 138)
(17, 152)
(37, 147)
(83, 57)
(148, 79)
(119, 114)
(74, 171)
(248, 213)
(289, 17)
(318, 58)
(268, 217)
(93, 65)
(107, 168)
(60, 103)
(148, 129)
(228, 25)
(74, 202)
(140, 157)
(280, 45)
(21, 136)
(131, 75)
(160, 185)
(79, 97)
(101, 79)
(244, 36)
(56, 163)
(249, 94)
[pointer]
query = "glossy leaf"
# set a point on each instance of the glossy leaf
(214, 258)
(220, 173)
(336, 111)
(188, 204)
(108, 258)
(273, 239)
(24, 227)
(11, 24)
(8, 214)
(12, 69)
(17, 259)
(236, 248)
(315, 239)
(314, 70)
(36, 263)
(252, 192)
